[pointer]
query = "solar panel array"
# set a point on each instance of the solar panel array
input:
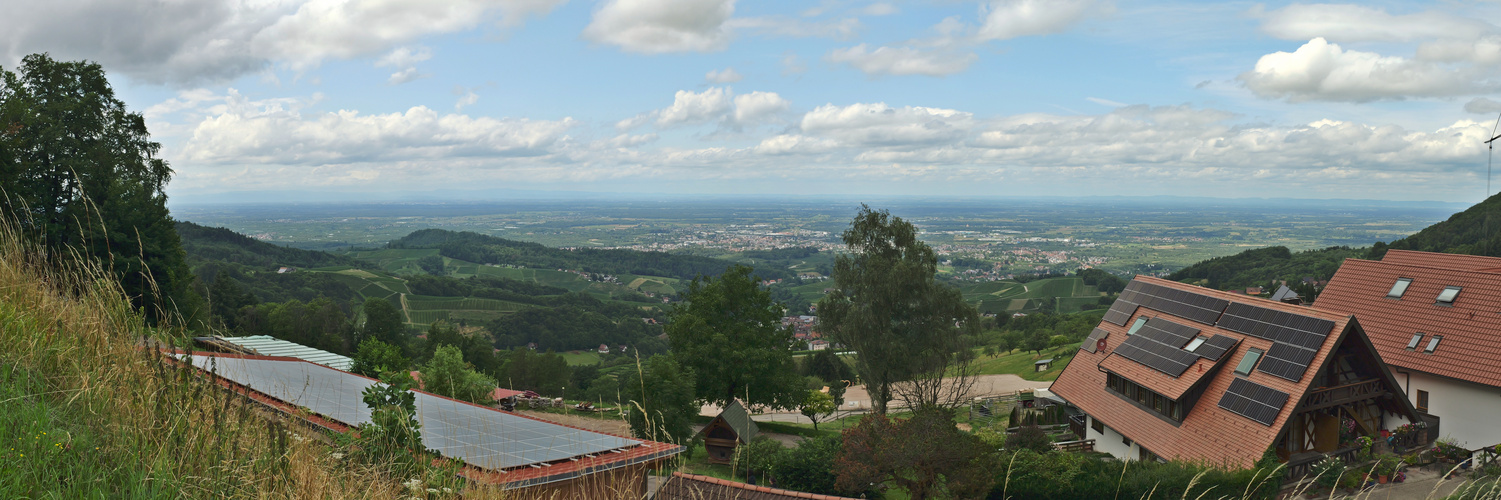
(1216, 346)
(1254, 401)
(483, 437)
(1188, 305)
(1295, 338)
(1120, 312)
(1094, 337)
(1158, 345)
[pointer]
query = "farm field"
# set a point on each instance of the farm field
(1012, 297)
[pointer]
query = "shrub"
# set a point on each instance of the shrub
(1030, 437)
(810, 466)
(759, 457)
(1327, 471)
(1076, 476)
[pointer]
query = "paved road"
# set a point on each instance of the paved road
(856, 400)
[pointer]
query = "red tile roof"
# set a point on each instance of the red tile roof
(1441, 260)
(1471, 327)
(1207, 433)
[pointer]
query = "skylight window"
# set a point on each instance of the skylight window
(1433, 344)
(1248, 362)
(1399, 288)
(1447, 296)
(1137, 325)
(1195, 343)
(1417, 338)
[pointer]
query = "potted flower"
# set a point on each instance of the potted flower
(1385, 466)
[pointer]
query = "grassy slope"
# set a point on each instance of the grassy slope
(87, 414)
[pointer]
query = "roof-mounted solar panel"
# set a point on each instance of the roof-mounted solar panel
(1216, 347)
(1254, 401)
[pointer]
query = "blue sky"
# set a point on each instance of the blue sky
(324, 99)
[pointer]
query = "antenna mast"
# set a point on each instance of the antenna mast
(1490, 151)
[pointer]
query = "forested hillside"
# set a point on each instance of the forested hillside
(482, 249)
(1475, 231)
(217, 243)
(1260, 266)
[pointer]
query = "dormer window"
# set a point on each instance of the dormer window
(1433, 344)
(1399, 288)
(1137, 325)
(1447, 296)
(1417, 338)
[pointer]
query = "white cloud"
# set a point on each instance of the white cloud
(881, 125)
(624, 141)
(1007, 19)
(789, 27)
(244, 132)
(1359, 23)
(879, 9)
(695, 107)
(1320, 70)
(658, 26)
(728, 75)
(758, 106)
(405, 59)
(1104, 102)
(186, 42)
(714, 105)
(903, 60)
(784, 144)
(468, 98)
(1482, 105)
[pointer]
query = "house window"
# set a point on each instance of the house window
(1447, 296)
(1148, 399)
(1136, 326)
(1097, 425)
(1399, 288)
(1125, 440)
(1147, 456)
(1416, 339)
(1248, 362)
(1195, 343)
(1433, 344)
(1423, 401)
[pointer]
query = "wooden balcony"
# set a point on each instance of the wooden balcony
(1330, 397)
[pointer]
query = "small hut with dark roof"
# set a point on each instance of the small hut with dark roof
(733, 427)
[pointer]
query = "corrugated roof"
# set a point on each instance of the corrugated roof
(266, 345)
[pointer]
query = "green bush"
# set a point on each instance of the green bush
(1030, 437)
(810, 466)
(759, 457)
(1067, 476)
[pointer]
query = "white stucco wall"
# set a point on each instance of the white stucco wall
(1111, 442)
(1469, 413)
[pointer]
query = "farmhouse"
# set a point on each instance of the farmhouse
(1177, 371)
(1435, 320)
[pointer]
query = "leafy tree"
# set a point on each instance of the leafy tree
(729, 333)
(906, 327)
(374, 357)
(836, 391)
(1037, 341)
(1011, 340)
(825, 364)
(79, 173)
(660, 395)
(448, 375)
(1029, 437)
(759, 457)
(383, 322)
(477, 350)
(809, 467)
(817, 405)
(527, 370)
(432, 264)
(926, 455)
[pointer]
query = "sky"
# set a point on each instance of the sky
(309, 100)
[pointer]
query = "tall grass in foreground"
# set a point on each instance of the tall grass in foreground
(89, 409)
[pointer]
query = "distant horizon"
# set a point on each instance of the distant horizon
(543, 196)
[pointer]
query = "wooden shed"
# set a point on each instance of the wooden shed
(731, 428)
